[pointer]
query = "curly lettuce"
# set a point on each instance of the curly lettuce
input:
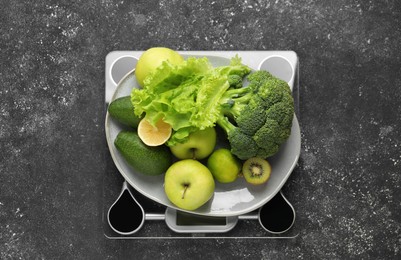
(185, 95)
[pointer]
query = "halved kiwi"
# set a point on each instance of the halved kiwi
(256, 170)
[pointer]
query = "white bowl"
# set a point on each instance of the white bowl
(231, 199)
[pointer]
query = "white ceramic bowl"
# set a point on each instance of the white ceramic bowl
(231, 199)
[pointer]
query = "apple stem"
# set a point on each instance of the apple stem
(193, 154)
(185, 189)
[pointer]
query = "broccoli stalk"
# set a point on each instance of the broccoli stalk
(233, 101)
(257, 118)
(242, 145)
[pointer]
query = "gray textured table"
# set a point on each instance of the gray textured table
(346, 188)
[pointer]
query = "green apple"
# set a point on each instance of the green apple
(188, 184)
(153, 58)
(224, 166)
(200, 144)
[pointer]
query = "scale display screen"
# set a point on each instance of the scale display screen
(186, 219)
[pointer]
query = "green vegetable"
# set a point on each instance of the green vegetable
(121, 110)
(257, 118)
(235, 81)
(186, 95)
(148, 160)
(193, 96)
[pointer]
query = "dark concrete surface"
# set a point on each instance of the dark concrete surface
(346, 188)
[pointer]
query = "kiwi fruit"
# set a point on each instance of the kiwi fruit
(256, 170)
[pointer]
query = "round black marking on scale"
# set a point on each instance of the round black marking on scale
(126, 216)
(277, 215)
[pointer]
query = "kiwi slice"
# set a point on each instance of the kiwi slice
(256, 170)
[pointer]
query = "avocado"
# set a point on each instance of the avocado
(148, 160)
(122, 110)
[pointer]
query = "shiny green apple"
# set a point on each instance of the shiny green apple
(188, 184)
(153, 58)
(199, 145)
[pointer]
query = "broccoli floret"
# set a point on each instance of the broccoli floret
(258, 117)
(282, 112)
(250, 120)
(259, 78)
(235, 81)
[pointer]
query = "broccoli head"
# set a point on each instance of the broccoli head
(258, 117)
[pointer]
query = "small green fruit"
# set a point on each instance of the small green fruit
(256, 170)
(224, 165)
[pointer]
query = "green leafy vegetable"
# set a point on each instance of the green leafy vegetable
(187, 95)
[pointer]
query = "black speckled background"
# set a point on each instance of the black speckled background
(346, 188)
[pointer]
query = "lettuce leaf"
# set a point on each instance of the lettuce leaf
(185, 96)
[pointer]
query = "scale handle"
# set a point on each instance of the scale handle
(249, 216)
(155, 216)
(159, 216)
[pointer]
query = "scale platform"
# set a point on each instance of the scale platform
(161, 222)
